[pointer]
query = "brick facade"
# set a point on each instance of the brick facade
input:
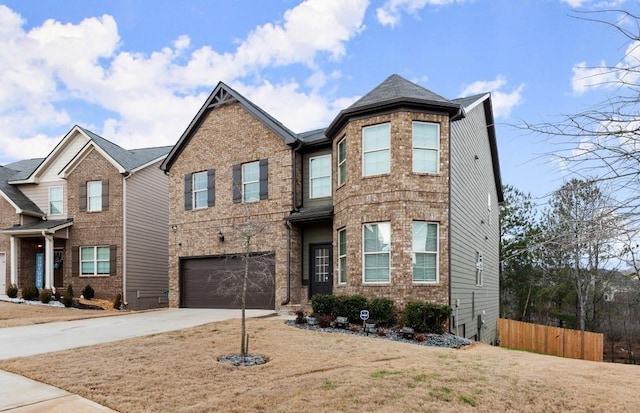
(95, 228)
(229, 135)
(399, 197)
(8, 217)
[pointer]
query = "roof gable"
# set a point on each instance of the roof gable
(13, 195)
(223, 95)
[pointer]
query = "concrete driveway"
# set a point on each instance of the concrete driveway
(63, 335)
(21, 395)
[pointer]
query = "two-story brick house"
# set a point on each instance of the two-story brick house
(398, 197)
(90, 212)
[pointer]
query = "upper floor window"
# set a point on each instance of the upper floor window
(425, 252)
(320, 176)
(250, 181)
(56, 203)
(95, 260)
(376, 251)
(342, 161)
(199, 189)
(94, 196)
(375, 149)
(426, 143)
(342, 256)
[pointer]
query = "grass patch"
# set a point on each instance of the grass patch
(381, 374)
(467, 400)
(441, 393)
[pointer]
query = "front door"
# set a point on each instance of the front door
(321, 266)
(58, 274)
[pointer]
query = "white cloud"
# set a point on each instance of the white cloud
(391, 11)
(502, 101)
(150, 98)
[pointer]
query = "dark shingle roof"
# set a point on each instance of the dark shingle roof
(313, 137)
(467, 101)
(24, 168)
(14, 194)
(38, 226)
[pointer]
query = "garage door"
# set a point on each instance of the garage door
(216, 282)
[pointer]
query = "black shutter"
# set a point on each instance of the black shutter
(187, 192)
(237, 182)
(82, 197)
(112, 260)
(211, 186)
(264, 178)
(75, 261)
(105, 195)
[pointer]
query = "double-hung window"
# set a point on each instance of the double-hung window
(94, 261)
(342, 256)
(251, 182)
(320, 176)
(199, 186)
(426, 142)
(56, 203)
(425, 252)
(376, 250)
(375, 149)
(342, 161)
(94, 196)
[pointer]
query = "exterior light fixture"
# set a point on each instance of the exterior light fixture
(220, 236)
(174, 227)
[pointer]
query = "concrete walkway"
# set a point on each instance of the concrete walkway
(21, 395)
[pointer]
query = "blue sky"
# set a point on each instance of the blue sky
(136, 72)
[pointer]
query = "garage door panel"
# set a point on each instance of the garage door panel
(202, 279)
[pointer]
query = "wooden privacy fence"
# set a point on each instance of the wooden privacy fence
(556, 341)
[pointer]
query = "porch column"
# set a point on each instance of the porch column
(14, 260)
(48, 261)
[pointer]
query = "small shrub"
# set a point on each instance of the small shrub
(381, 310)
(381, 332)
(426, 317)
(45, 296)
(300, 318)
(324, 321)
(12, 291)
(323, 304)
(29, 292)
(420, 338)
(350, 307)
(67, 297)
(88, 293)
(117, 302)
(57, 295)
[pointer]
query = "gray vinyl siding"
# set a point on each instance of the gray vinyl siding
(473, 228)
(316, 202)
(317, 234)
(39, 195)
(147, 217)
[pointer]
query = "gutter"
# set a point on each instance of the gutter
(294, 198)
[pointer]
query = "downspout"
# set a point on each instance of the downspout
(294, 199)
(124, 238)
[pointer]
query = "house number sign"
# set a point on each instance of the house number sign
(364, 315)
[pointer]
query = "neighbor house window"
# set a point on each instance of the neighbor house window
(376, 251)
(479, 268)
(342, 161)
(94, 196)
(199, 189)
(94, 260)
(320, 176)
(342, 256)
(375, 149)
(425, 252)
(425, 147)
(56, 203)
(250, 182)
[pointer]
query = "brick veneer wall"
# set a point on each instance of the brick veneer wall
(95, 228)
(229, 135)
(399, 197)
(8, 217)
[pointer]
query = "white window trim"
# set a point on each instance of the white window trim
(377, 253)
(388, 148)
(342, 141)
(95, 261)
(437, 254)
(436, 149)
(61, 199)
(89, 197)
(479, 269)
(340, 256)
(193, 189)
(244, 183)
(311, 178)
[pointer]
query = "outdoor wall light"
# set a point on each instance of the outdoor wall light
(220, 236)
(174, 227)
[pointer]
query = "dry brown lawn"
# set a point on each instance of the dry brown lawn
(322, 372)
(14, 315)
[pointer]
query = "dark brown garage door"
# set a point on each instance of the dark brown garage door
(216, 282)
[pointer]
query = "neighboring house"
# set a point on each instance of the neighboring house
(90, 212)
(398, 197)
